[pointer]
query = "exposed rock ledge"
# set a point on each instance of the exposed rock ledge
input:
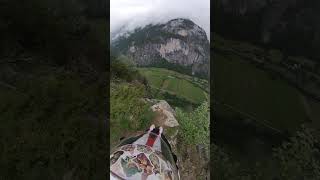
(190, 162)
(166, 118)
(165, 114)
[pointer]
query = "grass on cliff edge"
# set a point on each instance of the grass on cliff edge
(128, 112)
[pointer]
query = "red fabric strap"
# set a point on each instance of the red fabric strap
(151, 140)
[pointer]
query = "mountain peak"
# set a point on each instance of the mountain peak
(179, 43)
(182, 21)
(185, 27)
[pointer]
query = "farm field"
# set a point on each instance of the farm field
(180, 85)
(257, 93)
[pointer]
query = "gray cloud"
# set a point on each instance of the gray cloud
(135, 13)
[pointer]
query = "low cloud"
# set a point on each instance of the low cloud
(137, 13)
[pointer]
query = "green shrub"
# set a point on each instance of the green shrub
(298, 158)
(128, 111)
(194, 126)
(122, 68)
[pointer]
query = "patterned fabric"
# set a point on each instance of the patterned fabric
(148, 140)
(140, 162)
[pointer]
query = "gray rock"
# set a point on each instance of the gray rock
(166, 115)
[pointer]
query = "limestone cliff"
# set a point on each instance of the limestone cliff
(179, 42)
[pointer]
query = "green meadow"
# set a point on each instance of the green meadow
(183, 86)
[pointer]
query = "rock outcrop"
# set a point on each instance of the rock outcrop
(165, 117)
(165, 114)
(191, 160)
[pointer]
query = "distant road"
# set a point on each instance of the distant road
(251, 117)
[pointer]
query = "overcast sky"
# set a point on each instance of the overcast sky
(133, 13)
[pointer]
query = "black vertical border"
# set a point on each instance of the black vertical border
(212, 89)
(108, 91)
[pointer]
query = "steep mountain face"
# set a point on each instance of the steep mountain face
(292, 25)
(179, 44)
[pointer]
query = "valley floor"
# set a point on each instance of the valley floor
(189, 89)
(256, 92)
(258, 101)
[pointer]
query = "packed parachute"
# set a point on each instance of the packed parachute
(144, 157)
